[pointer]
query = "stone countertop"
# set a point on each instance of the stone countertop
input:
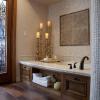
(59, 67)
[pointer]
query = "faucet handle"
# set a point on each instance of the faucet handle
(70, 66)
(75, 65)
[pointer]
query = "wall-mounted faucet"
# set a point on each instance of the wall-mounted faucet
(81, 67)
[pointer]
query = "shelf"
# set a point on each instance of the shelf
(71, 88)
(47, 90)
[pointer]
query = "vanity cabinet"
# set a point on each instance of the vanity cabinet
(25, 73)
(75, 87)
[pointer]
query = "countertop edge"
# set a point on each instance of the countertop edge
(82, 72)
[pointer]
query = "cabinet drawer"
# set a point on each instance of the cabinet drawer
(75, 87)
(25, 77)
(76, 78)
(26, 72)
(26, 68)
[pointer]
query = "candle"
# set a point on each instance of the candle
(41, 25)
(46, 35)
(49, 23)
(38, 35)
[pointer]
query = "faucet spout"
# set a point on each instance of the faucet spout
(82, 62)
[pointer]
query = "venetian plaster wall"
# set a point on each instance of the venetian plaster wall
(55, 11)
(29, 15)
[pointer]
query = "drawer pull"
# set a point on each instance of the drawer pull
(24, 67)
(77, 79)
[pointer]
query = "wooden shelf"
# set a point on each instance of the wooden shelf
(47, 90)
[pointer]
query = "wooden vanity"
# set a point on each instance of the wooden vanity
(73, 85)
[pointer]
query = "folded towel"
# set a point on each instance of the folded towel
(37, 74)
(45, 78)
(42, 83)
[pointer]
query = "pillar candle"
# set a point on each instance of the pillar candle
(41, 25)
(46, 35)
(49, 23)
(38, 35)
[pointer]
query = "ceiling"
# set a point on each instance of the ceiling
(47, 2)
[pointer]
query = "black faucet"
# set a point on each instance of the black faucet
(70, 66)
(75, 65)
(81, 67)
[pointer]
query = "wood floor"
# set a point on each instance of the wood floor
(22, 91)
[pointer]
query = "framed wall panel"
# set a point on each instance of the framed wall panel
(75, 29)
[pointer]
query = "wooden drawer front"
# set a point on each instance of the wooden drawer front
(25, 78)
(77, 78)
(75, 87)
(26, 68)
(26, 72)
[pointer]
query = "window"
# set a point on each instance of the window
(3, 35)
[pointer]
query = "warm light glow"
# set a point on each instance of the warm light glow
(46, 35)
(38, 35)
(49, 23)
(41, 25)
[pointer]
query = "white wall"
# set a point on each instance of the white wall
(61, 8)
(29, 15)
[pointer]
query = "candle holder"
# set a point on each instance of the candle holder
(49, 46)
(43, 42)
(37, 49)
